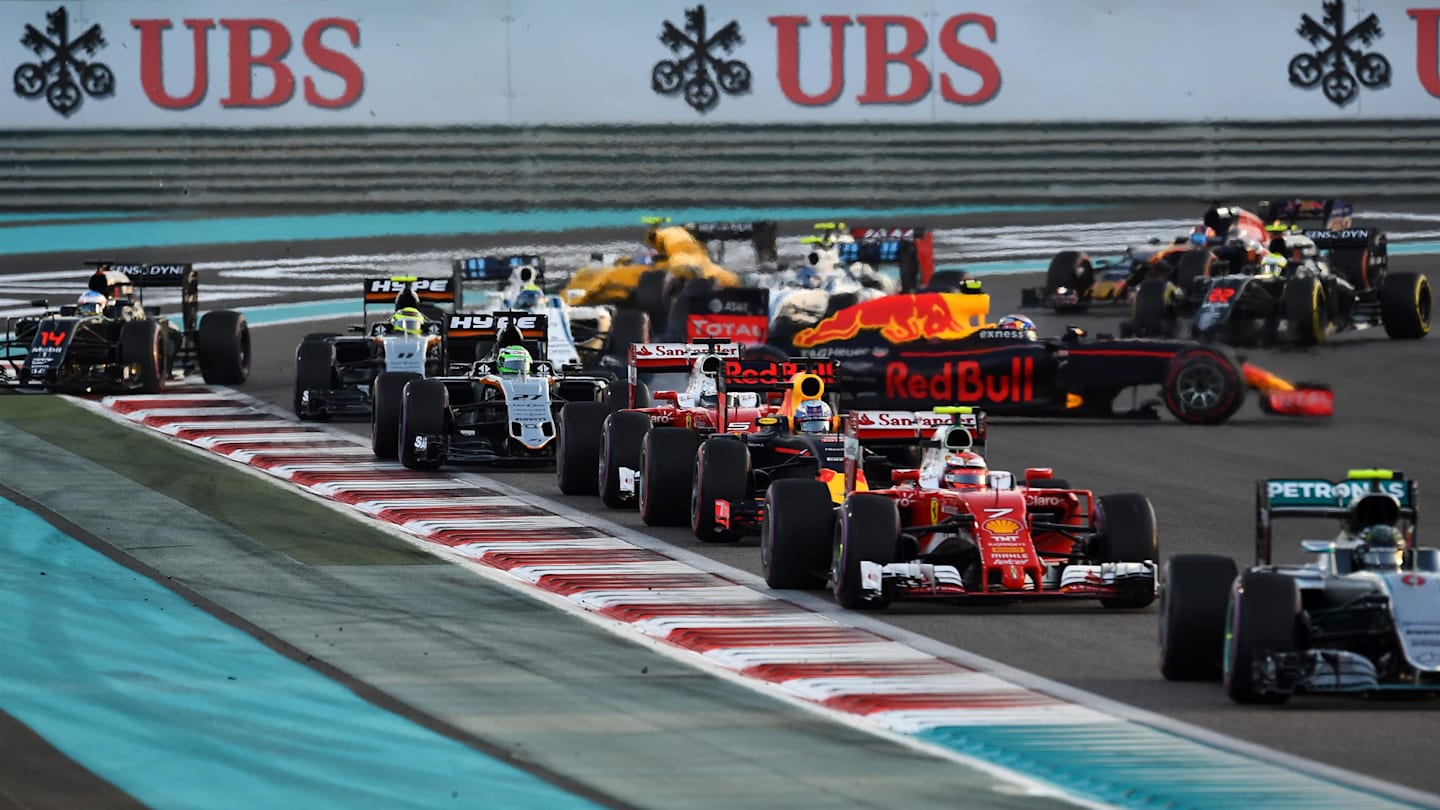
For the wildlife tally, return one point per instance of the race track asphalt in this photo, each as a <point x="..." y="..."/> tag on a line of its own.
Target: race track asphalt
<point x="1199" y="479"/>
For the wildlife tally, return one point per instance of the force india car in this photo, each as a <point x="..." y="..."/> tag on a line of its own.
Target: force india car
<point x="674" y="259"/>
<point x="1362" y="619"/>
<point x="480" y="416"/>
<point x="917" y="538"/>
<point x="335" y="374"/>
<point x="585" y="336"/>
<point x="1250" y="303"/>
<point x="129" y="347"/>
<point x="917" y="351"/>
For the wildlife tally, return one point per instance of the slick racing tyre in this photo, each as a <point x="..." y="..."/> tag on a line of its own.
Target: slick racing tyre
<point x="223" y="344"/>
<point x="617" y="395"/>
<point x="722" y="473"/>
<point x="142" y="343"/>
<point x="867" y="529"/>
<point x="667" y="458"/>
<point x="1070" y="270"/>
<point x="1154" y="309"/>
<point x="1125" y="525"/>
<point x="577" y="448"/>
<point x="386" y="400"/>
<point x="650" y="298"/>
<point x="1405" y="304"/>
<point x="1304" y="302"/>
<point x="1263" y="617"/>
<point x="796" y="533"/>
<point x="314" y="371"/>
<point x="629" y="326"/>
<point x="1193" y="599"/>
<point x="1203" y="385"/>
<point x="422" y="413"/>
<point x="1190" y="267"/>
<point x="620" y="439"/>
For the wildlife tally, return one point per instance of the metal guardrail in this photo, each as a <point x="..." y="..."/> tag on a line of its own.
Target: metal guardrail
<point x="649" y="166"/>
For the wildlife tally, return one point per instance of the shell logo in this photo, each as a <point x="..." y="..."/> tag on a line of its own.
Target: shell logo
<point x="1001" y="526"/>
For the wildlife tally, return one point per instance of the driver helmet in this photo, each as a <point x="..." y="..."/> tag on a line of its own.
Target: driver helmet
<point x="964" y="471"/>
<point x="1200" y="235"/>
<point x="1382" y="546"/>
<point x="808" y="278"/>
<point x="513" y="361"/>
<point x="813" y="416"/>
<point x="709" y="393"/>
<point x="1019" y="323"/>
<point x="530" y="298"/>
<point x="1273" y="264"/>
<point x="90" y="303"/>
<point x="407" y="321"/>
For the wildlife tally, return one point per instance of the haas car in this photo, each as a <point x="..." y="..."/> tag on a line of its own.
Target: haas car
<point x="499" y="409"/>
<point x="1362" y="619"/>
<point x="953" y="530"/>
<point x="118" y="344"/>
<point x="909" y="352"/>
<point x="335" y="374"/>
<point x="1312" y="283"/>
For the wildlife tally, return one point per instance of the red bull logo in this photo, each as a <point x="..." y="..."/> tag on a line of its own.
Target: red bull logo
<point x="902" y="319"/>
<point x="964" y="381"/>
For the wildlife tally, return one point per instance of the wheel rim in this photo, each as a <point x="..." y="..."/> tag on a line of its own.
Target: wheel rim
<point x="1200" y="387"/>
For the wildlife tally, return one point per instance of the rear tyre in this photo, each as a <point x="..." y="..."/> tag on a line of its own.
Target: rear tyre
<point x="314" y="371"/>
<point x="1154" y="312"/>
<point x="577" y="449"/>
<point x="796" y="533"/>
<point x="1405" y="303"/>
<point x="618" y="395"/>
<point x="223" y="343"/>
<point x="1070" y="270"/>
<point x="867" y="529"/>
<point x="1263" y="617"/>
<point x="649" y="298"/>
<point x="1304" y="302"/>
<point x="1191" y="266"/>
<point x="422" y="413"/>
<point x="1203" y="385"/>
<point x="1192" y="616"/>
<point x="722" y="473"/>
<point x="142" y="343"/>
<point x="387" y="400"/>
<point x="667" y="459"/>
<point x="620" y="438"/>
<point x="1126" y="525"/>
<point x="629" y="326"/>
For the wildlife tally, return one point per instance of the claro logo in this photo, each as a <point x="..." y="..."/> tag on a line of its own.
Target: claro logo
<point x="242" y="36"/>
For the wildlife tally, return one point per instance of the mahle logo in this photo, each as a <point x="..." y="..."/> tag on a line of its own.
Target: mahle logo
<point x="1339" y="66"/>
<point x="63" y="78"/>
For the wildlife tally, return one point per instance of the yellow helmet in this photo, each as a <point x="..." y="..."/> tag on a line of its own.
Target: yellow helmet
<point x="408" y="321"/>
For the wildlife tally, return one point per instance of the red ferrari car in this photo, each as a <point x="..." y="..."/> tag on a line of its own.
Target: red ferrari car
<point x="953" y="529"/>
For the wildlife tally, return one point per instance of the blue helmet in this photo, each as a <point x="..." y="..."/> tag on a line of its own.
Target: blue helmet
<point x="1017" y="322"/>
<point x="90" y="303"/>
<point x="530" y="298"/>
<point x="813" y="416"/>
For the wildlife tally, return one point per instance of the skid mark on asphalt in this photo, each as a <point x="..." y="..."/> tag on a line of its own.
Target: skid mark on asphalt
<point x="857" y="674"/>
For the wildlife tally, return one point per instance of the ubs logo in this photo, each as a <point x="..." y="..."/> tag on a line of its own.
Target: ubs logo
<point x="1339" y="65"/>
<point x="64" y="78"/>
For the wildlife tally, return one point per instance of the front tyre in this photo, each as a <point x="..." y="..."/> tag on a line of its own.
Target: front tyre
<point x="866" y="530"/>
<point x="1263" y="618"/>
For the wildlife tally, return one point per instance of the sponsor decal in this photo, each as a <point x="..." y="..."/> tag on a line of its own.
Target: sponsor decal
<point x="898" y="318"/>
<point x="387" y="285"/>
<point x="1003" y="334"/>
<point x="1305" y="492"/>
<point x="903" y="420"/>
<point x="51" y="338"/>
<point x="63" y="76"/>
<point x="1001" y="526"/>
<point x="524" y="323"/>
<point x="1044" y="501"/>
<point x="683" y="351"/>
<point x="1414" y="581"/>
<point x="1339" y="64"/>
<point x="775" y="372"/>
<point x="747" y="329"/>
<point x="934" y="510"/>
<point x="690" y="73"/>
<point x="965" y="381"/>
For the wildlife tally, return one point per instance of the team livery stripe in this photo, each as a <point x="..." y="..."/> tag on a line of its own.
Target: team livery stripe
<point x="1094" y="755"/>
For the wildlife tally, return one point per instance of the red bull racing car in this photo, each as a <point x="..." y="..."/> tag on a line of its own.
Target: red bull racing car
<point x="952" y="529"/>
<point x="918" y="351"/>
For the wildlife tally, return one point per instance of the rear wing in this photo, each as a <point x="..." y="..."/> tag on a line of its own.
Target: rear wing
<point x="900" y="429"/>
<point x="1333" y="214"/>
<point x="1321" y="498"/>
<point x="473" y="336"/>
<point x="763" y="235"/>
<point x="500" y="268"/>
<point x="737" y="314"/>
<point x="912" y="249"/>
<point x="121" y="280"/>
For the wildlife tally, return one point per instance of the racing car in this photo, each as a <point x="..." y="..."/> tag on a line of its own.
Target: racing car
<point x="674" y="261"/>
<point x="335" y="374"/>
<point x="1362" y="619"/>
<point x="586" y="336"/>
<point x="917" y="351"/>
<point x="501" y="410"/>
<point x="1296" y="286"/>
<point x="120" y="345"/>
<point x="952" y="529"/>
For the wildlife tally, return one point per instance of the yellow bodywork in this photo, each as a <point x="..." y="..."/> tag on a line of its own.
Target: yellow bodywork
<point x="677" y="252"/>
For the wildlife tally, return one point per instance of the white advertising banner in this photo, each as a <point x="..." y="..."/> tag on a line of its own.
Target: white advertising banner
<point x="105" y="64"/>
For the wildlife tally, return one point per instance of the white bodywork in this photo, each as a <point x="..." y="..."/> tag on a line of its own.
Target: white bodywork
<point x="560" y="348"/>
<point x="527" y="400"/>
<point x="406" y="353"/>
<point x="808" y="305"/>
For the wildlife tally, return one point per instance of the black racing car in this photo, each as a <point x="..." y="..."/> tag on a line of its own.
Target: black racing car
<point x="913" y="352"/>
<point x="128" y="346"/>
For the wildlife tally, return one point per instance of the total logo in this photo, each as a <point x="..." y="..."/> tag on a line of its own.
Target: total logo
<point x="731" y="328"/>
